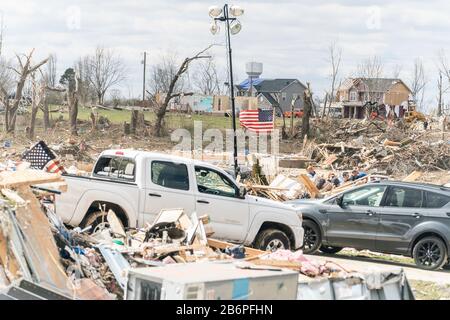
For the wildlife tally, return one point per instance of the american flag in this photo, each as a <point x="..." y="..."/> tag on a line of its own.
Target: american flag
<point x="260" y="120"/>
<point x="41" y="157"/>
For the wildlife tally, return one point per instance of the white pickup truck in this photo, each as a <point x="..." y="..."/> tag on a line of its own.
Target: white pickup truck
<point x="137" y="185"/>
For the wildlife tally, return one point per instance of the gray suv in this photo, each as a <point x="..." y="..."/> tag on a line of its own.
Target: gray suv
<point x="403" y="218"/>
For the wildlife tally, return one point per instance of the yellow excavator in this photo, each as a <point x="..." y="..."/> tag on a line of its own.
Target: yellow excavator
<point x="412" y="116"/>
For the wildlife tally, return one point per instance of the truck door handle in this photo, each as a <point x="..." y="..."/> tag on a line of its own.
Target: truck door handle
<point x="203" y="201"/>
<point x="154" y="195"/>
<point x="416" y="215"/>
<point x="370" y="213"/>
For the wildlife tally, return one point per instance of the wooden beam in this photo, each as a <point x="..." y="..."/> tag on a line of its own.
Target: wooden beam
<point x="27" y="177"/>
<point x="309" y="185"/>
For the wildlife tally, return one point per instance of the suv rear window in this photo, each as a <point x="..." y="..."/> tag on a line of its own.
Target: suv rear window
<point x="170" y="175"/>
<point x="404" y="197"/>
<point x="435" y="200"/>
<point x="116" y="168"/>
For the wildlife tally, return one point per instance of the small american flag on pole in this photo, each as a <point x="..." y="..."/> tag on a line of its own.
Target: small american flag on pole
<point x="259" y="120"/>
<point x="42" y="158"/>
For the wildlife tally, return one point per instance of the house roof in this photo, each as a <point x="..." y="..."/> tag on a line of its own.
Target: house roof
<point x="273" y="85"/>
<point x="267" y="85"/>
<point x="380" y="84"/>
<point x="269" y="98"/>
<point x="373" y="84"/>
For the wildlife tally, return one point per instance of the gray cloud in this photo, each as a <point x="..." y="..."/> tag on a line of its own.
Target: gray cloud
<point x="289" y="37"/>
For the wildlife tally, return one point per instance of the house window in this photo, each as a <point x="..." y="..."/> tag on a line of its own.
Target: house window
<point x="352" y="95"/>
<point x="283" y="96"/>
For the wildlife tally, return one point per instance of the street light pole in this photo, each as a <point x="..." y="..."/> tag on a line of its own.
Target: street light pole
<point x="233" y="27"/>
<point x="233" y="106"/>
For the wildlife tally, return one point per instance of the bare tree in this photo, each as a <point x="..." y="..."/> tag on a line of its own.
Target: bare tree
<point x="307" y="110"/>
<point x="206" y="78"/>
<point x="335" y="56"/>
<point x="396" y="71"/>
<point x="50" y="82"/>
<point x="418" y="82"/>
<point x="71" y="80"/>
<point x="5" y="84"/>
<point x="25" y="69"/>
<point x="104" y="70"/>
<point x="167" y="79"/>
<point x="371" y="67"/>
<point x="444" y="70"/>
<point x="38" y="96"/>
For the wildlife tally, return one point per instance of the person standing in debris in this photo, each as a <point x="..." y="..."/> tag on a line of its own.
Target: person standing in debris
<point x="333" y="180"/>
<point x="425" y="125"/>
<point x="356" y="174"/>
<point x="344" y="178"/>
<point x="311" y="173"/>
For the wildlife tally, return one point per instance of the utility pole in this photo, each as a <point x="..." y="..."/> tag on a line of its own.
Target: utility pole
<point x="1" y="33"/>
<point x="143" y="78"/>
<point x="439" y="112"/>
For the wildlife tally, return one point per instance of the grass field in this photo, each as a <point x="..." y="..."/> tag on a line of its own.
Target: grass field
<point x="173" y="120"/>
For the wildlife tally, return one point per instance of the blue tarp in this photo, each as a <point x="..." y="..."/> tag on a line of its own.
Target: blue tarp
<point x="246" y="83"/>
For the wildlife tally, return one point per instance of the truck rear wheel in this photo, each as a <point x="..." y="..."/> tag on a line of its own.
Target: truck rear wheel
<point x="272" y="240"/>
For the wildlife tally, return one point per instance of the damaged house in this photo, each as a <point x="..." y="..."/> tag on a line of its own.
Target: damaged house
<point x="388" y="96"/>
<point x="274" y="93"/>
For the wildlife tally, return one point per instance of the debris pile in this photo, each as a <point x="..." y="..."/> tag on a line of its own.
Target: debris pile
<point x="378" y="147"/>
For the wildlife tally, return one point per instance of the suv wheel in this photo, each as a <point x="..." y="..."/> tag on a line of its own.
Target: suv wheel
<point x="272" y="240"/>
<point x="330" y="250"/>
<point x="312" y="238"/>
<point x="430" y="253"/>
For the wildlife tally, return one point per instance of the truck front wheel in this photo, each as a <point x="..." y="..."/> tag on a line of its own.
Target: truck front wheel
<point x="272" y="240"/>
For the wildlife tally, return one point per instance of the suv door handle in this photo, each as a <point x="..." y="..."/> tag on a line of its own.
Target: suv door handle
<point x="370" y="213"/>
<point x="203" y="201"/>
<point x="154" y="195"/>
<point x="416" y="215"/>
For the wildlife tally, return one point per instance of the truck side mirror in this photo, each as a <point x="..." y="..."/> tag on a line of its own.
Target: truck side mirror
<point x="242" y="192"/>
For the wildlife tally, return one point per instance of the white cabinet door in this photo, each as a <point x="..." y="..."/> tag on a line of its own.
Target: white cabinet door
<point x="216" y="196"/>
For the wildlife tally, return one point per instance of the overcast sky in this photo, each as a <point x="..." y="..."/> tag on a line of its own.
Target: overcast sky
<point x="289" y="37"/>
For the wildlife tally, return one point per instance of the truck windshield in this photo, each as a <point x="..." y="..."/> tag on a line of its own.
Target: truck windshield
<point x="115" y="167"/>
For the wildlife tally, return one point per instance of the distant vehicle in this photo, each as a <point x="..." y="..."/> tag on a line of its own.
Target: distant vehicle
<point x="403" y="218"/>
<point x="297" y="114"/>
<point x="136" y="185"/>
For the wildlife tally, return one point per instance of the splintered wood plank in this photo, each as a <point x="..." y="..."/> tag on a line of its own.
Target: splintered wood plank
<point x="413" y="176"/>
<point x="27" y="177"/>
<point x="40" y="245"/>
<point x="309" y="185"/>
<point x="7" y="259"/>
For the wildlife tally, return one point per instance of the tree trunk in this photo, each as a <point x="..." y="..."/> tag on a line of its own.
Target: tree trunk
<point x="72" y="100"/>
<point x="134" y="121"/>
<point x="159" y="120"/>
<point x="73" y="115"/>
<point x="46" y="112"/>
<point x="34" y="110"/>
<point x="306" y="112"/>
